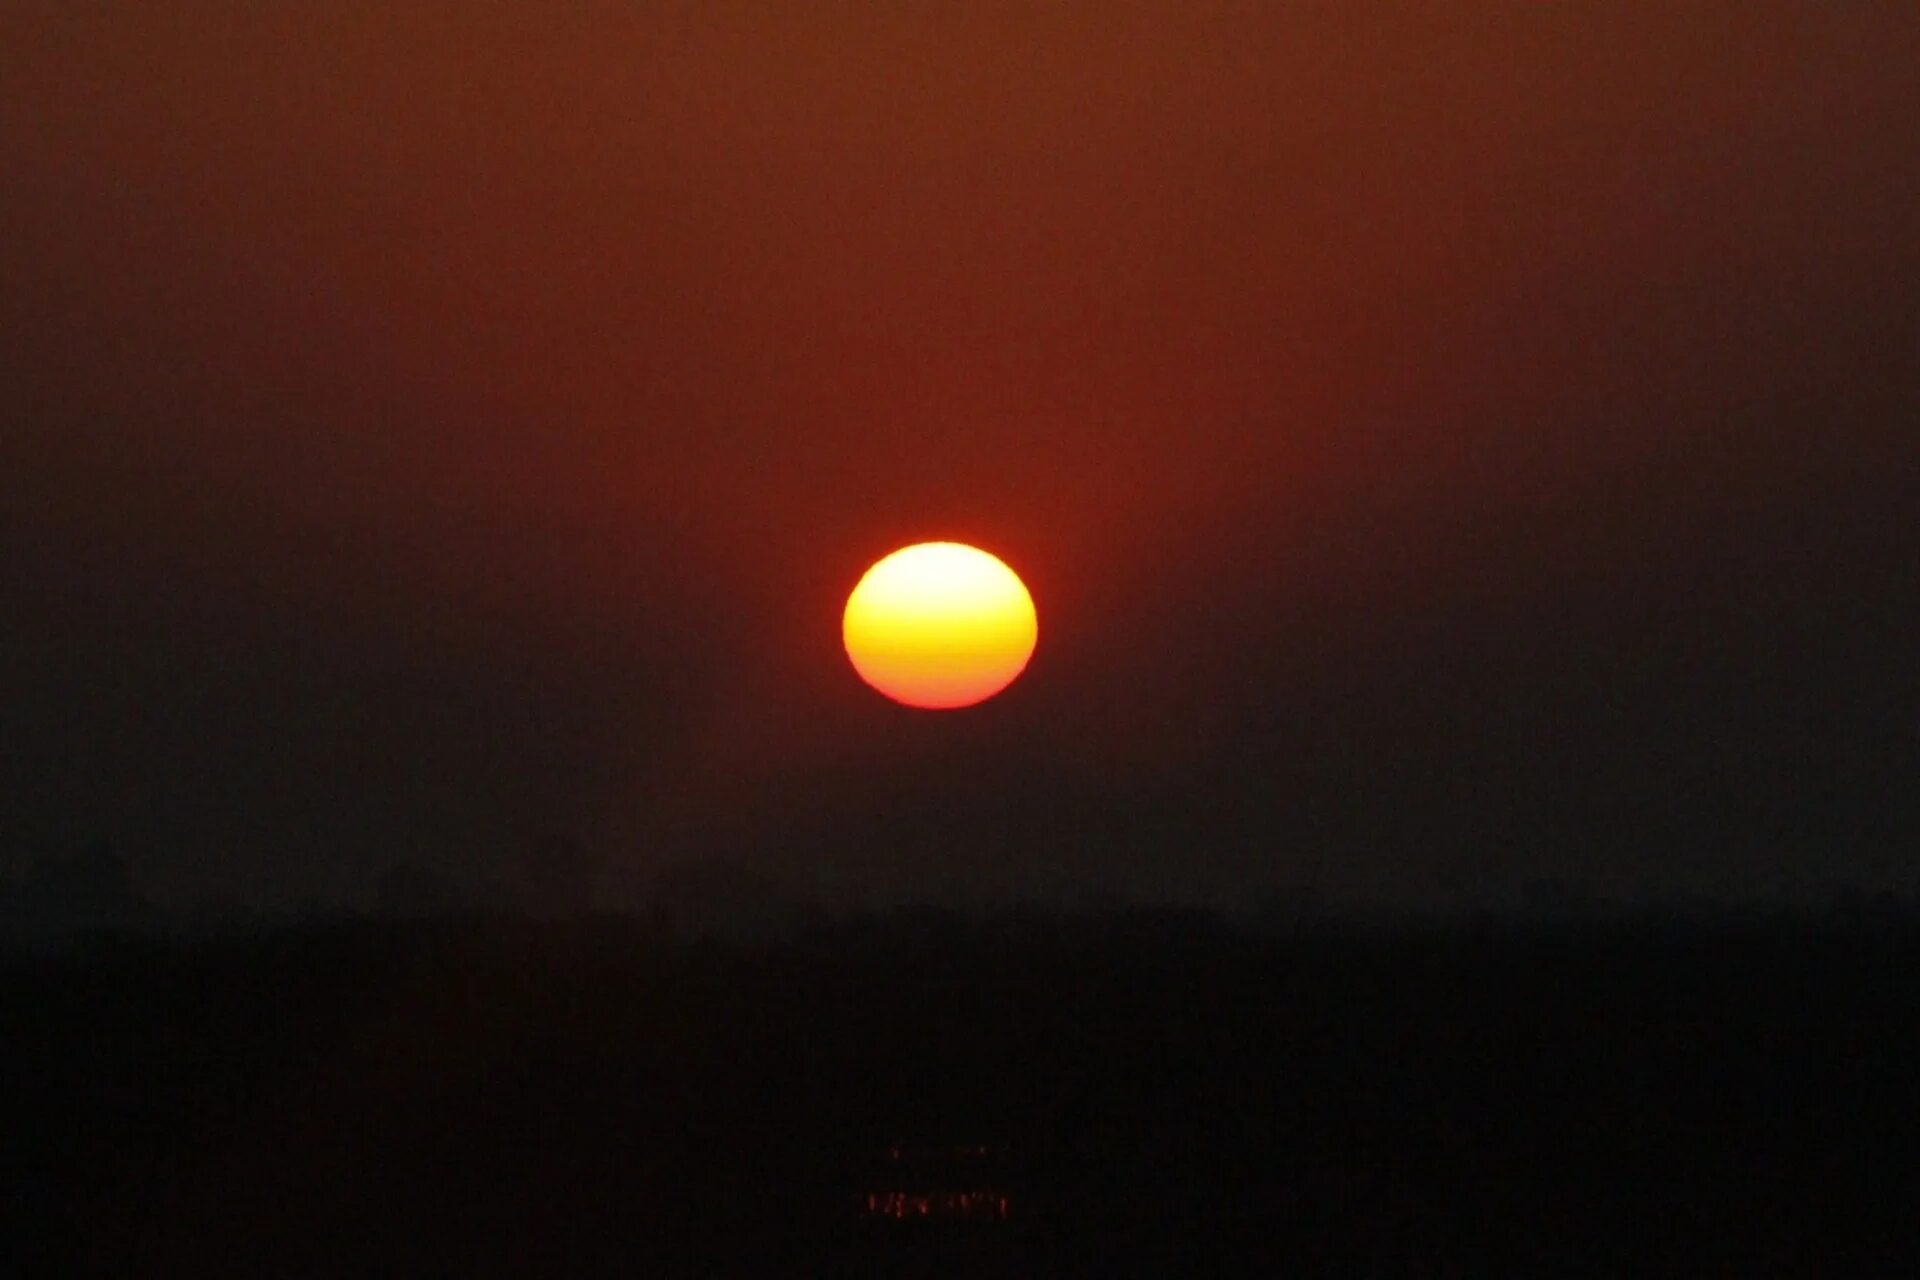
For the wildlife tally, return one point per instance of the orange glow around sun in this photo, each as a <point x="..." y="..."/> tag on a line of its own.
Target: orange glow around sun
<point x="939" y="625"/>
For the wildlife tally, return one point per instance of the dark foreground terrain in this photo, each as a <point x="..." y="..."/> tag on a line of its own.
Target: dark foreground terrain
<point x="1141" y="1094"/>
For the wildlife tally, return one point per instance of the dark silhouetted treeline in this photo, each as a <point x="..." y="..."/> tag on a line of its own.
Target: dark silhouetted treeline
<point x="1150" y="1093"/>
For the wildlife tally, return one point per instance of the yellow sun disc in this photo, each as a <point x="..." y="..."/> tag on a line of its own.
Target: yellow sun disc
<point x="939" y="625"/>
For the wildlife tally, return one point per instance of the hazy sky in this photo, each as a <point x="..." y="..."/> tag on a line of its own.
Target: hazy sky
<point x="1453" y="446"/>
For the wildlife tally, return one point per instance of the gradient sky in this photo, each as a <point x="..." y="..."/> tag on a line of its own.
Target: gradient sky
<point x="1452" y="446"/>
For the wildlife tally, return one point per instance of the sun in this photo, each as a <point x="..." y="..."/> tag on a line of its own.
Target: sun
<point x="939" y="625"/>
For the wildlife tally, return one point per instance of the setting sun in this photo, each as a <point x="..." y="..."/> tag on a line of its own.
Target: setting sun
<point x="939" y="625"/>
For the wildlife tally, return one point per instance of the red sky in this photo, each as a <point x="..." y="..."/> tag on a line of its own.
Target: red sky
<point x="431" y="428"/>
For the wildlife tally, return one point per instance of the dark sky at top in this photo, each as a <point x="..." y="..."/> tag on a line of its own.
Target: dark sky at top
<point x="1451" y="446"/>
